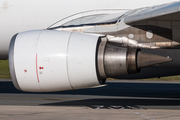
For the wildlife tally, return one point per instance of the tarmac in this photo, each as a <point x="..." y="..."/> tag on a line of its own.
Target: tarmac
<point x="119" y="100"/>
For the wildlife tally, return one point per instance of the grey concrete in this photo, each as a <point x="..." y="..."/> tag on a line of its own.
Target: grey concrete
<point x="83" y="113"/>
<point x="119" y="99"/>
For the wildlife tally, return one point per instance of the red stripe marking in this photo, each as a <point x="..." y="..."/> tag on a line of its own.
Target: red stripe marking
<point x="37" y="69"/>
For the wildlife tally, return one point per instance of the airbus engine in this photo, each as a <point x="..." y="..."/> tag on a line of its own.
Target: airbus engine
<point x="49" y="60"/>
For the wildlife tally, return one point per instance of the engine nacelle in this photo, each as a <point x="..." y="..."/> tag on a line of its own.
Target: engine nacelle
<point x="46" y="60"/>
<point x="49" y="60"/>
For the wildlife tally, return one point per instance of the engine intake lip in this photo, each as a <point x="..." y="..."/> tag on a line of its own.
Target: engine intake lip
<point x="11" y="62"/>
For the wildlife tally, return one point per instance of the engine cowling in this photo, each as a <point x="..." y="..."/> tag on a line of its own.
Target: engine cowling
<point x="49" y="60"/>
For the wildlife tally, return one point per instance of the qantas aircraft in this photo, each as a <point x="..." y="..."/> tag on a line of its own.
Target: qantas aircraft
<point x="56" y="45"/>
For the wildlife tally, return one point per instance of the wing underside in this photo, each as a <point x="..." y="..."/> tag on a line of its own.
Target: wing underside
<point x="149" y="27"/>
<point x="166" y="12"/>
<point x="90" y="18"/>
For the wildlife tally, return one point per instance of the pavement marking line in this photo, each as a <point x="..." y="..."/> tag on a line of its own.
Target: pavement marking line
<point x="142" y="115"/>
<point x="40" y="98"/>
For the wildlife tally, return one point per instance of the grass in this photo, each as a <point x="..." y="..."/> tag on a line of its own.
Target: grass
<point x="5" y="74"/>
<point x="169" y="78"/>
<point x="4" y="70"/>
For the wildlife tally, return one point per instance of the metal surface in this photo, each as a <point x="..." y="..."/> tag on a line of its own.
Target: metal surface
<point x="48" y="60"/>
<point x="152" y="12"/>
<point x="146" y="59"/>
<point x="159" y="70"/>
<point x="93" y="17"/>
<point x="81" y="60"/>
<point x="118" y="61"/>
<point x="26" y="60"/>
<point x="11" y="62"/>
<point x="100" y="55"/>
<point x="132" y="61"/>
<point x="115" y="61"/>
<point x="52" y="55"/>
<point x="18" y="16"/>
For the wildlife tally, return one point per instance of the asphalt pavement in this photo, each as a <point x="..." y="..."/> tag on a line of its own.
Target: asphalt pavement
<point x="118" y="99"/>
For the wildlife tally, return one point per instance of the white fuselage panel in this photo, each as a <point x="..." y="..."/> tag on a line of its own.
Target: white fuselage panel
<point x="22" y="15"/>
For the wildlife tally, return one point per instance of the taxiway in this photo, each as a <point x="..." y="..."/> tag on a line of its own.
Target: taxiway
<point x="119" y="99"/>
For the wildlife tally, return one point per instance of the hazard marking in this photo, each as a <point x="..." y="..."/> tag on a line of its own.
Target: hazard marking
<point x="37" y="68"/>
<point x="41" y="68"/>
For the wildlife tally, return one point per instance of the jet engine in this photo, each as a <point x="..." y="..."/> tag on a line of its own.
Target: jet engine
<point x="49" y="60"/>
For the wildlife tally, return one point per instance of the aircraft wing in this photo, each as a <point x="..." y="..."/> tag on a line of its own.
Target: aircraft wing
<point x="166" y="12"/>
<point x="90" y="18"/>
<point x="149" y="27"/>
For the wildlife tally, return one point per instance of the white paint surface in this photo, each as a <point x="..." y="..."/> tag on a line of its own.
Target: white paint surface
<point x="82" y="60"/>
<point x="52" y="52"/>
<point x="149" y="34"/>
<point x="22" y="15"/>
<point x="48" y="60"/>
<point x="23" y="61"/>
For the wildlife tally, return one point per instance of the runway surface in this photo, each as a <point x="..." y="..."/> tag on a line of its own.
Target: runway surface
<point x="119" y="99"/>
